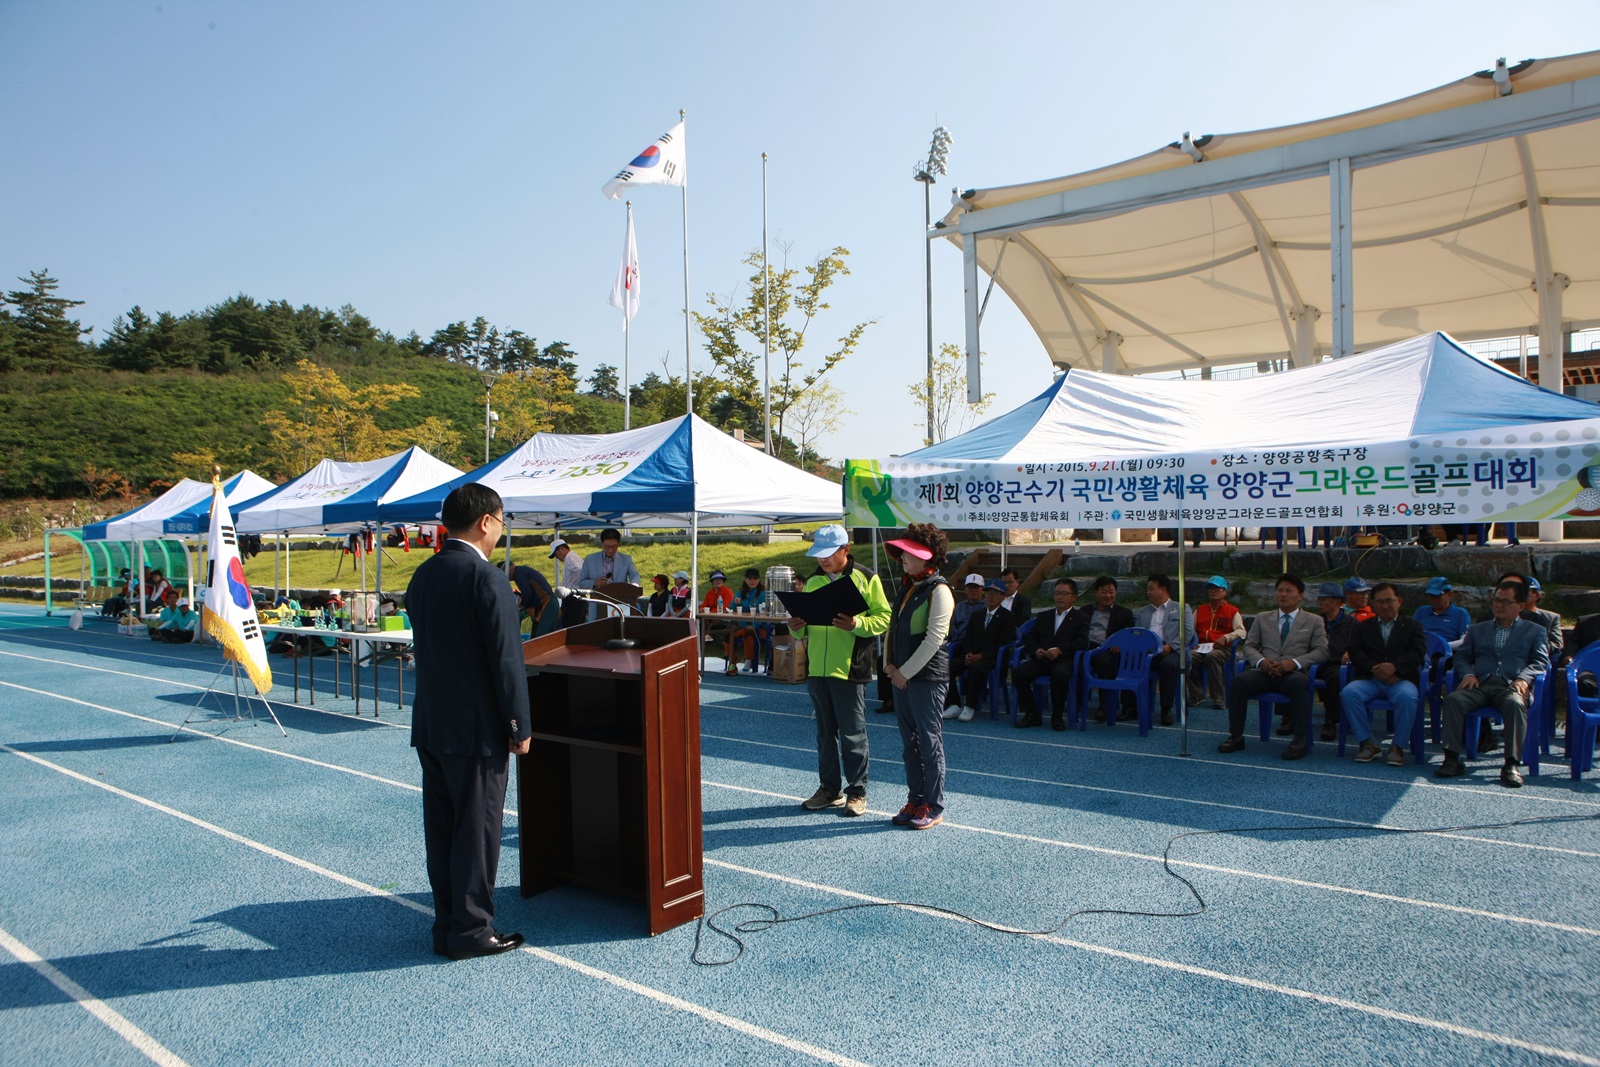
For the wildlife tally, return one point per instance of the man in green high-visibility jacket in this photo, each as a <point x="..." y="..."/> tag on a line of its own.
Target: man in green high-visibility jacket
<point x="840" y="660"/>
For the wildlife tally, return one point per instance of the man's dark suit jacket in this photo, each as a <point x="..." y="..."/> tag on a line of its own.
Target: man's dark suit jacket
<point x="1021" y="608"/>
<point x="1071" y="636"/>
<point x="986" y="640"/>
<point x="1407" y="648"/>
<point x="471" y="690"/>
<point x="1121" y="619"/>
<point x="1341" y="631"/>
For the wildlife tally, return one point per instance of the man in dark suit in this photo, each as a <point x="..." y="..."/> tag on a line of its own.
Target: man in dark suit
<point x="1340" y="625"/>
<point x="469" y="713"/>
<point x="979" y="651"/>
<point x="1281" y="649"/>
<point x="1387" y="655"/>
<point x="1021" y="607"/>
<point x="1106" y="617"/>
<point x="1047" y="651"/>
<point x="1497" y="664"/>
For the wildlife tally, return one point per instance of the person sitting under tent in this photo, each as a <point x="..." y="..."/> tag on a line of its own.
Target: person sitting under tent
<point x="979" y="651"/>
<point x="1356" y="594"/>
<point x="1021" y="607"/>
<point x="176" y="624"/>
<point x="1049" y="651"/>
<point x="657" y="604"/>
<point x="680" y="596"/>
<point x="1340" y="625"/>
<point x="159" y="587"/>
<point x="969" y="605"/>
<point x="1106" y="617"/>
<point x="1160" y="616"/>
<point x="1219" y="624"/>
<point x="1439" y="616"/>
<point x="1389" y="655"/>
<point x="118" y="602"/>
<point x="752" y="598"/>
<point x="1279" y="650"/>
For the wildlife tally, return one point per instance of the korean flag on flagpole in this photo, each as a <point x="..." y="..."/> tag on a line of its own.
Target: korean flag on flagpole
<point x="229" y="613"/>
<point x="663" y="163"/>
<point x="625" y="290"/>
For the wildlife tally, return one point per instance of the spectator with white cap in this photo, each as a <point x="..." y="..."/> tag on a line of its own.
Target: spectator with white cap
<point x="680" y="597"/>
<point x="570" y="568"/>
<point x="839" y="658"/>
<point x="1440" y="616"/>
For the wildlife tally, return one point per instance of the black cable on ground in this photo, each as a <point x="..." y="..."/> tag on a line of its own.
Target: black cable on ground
<point x="773" y="917"/>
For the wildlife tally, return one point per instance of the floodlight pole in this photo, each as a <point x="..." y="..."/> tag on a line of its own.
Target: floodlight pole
<point x="927" y="247"/>
<point x="488" y="378"/>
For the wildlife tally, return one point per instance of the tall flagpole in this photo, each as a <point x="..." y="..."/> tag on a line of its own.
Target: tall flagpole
<point x="627" y="397"/>
<point x="766" y="315"/>
<point x="688" y="353"/>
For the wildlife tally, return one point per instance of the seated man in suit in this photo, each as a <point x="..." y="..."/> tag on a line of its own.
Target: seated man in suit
<point x="1496" y="664"/>
<point x="1219" y="624"/>
<point x="1047" y="651"/>
<point x="1021" y="607"/>
<point x="1160" y="616"/>
<point x="979" y="651"/>
<point x="1340" y="624"/>
<point x="1280" y="649"/>
<point x="1106" y="617"/>
<point x="1388" y="653"/>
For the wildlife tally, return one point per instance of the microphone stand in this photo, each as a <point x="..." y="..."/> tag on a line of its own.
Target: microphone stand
<point x="622" y="640"/>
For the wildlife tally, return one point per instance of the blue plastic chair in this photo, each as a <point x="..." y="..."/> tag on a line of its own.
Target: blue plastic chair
<point x="1583" y="713"/>
<point x="1002" y="695"/>
<point x="1440" y="678"/>
<point x="1137" y="647"/>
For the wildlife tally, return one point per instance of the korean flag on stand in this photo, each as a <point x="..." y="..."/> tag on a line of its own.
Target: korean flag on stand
<point x="663" y="163"/>
<point x="229" y="614"/>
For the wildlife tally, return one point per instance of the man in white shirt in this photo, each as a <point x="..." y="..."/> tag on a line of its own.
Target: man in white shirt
<point x="1160" y="617"/>
<point x="569" y="568"/>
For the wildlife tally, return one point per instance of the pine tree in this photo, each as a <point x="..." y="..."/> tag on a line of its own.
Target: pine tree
<point x="44" y="338"/>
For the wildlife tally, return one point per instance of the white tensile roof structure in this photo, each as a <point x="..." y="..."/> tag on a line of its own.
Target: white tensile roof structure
<point x="1473" y="208"/>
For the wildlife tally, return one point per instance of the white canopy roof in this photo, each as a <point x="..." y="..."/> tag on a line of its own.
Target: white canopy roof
<point x="1210" y="251"/>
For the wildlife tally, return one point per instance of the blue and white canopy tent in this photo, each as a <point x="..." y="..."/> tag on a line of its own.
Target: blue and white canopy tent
<point x="158" y="528"/>
<point x="341" y="498"/>
<point x="682" y="472"/>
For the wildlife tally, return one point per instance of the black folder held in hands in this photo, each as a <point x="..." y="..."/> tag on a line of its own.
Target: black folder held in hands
<point x="820" y="606"/>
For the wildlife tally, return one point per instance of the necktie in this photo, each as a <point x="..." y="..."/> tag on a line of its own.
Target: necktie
<point x="1283" y="631"/>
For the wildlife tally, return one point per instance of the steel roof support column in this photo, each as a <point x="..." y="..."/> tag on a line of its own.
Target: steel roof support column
<point x="1110" y="341"/>
<point x="969" y="266"/>
<point x="1341" y="252"/>
<point x="1549" y="285"/>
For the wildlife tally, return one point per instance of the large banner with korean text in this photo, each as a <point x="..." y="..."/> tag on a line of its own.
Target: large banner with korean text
<point x="1516" y="473"/>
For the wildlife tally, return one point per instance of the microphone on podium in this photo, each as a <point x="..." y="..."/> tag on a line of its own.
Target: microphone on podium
<point x="622" y="640"/>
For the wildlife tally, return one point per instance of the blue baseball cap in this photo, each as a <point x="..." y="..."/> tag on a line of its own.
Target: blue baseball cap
<point x="1330" y="589"/>
<point x="828" y="540"/>
<point x="1217" y="580"/>
<point x="1438" y="587"/>
<point x="1357" y="585"/>
<point x="1533" y="585"/>
<point x="995" y="586"/>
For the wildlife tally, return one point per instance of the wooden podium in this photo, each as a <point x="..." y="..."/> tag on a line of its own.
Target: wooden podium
<point x="609" y="792"/>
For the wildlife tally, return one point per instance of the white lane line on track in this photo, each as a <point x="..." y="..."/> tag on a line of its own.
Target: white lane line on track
<point x="215" y="737"/>
<point x="1455" y="1029"/>
<point x="152" y="1049"/>
<point x="190" y="685"/>
<point x="1203" y="803"/>
<point x="667" y="999"/>
<point x="1300" y="883"/>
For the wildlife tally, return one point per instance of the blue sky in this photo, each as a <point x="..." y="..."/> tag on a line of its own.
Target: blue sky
<point x="433" y="162"/>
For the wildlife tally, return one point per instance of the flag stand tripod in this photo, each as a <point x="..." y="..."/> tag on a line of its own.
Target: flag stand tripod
<point x="241" y="703"/>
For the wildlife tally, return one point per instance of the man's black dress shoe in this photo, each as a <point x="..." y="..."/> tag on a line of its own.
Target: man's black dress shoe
<point x="1451" y="767"/>
<point x="496" y="944"/>
<point x="1509" y="776"/>
<point x="1295" y="750"/>
<point x="1232" y="744"/>
<point x="1057" y="723"/>
<point x="1166" y="718"/>
<point x="1027" y="721"/>
<point x="1330" y="733"/>
<point x="1285" y="727"/>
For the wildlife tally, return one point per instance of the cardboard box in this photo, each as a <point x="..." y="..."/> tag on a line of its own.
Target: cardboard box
<point x="788" y="660"/>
